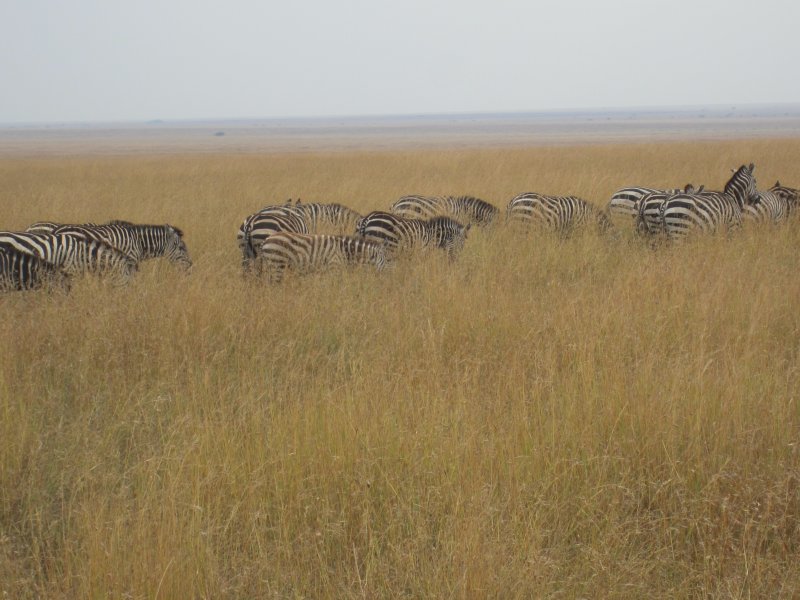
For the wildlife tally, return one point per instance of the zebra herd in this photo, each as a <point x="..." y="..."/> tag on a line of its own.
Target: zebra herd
<point x="304" y="237"/>
<point x="52" y="253"/>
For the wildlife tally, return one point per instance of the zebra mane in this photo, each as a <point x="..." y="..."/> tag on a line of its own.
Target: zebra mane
<point x="123" y="223"/>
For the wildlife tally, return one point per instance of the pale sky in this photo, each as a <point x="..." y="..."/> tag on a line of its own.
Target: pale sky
<point x="107" y="60"/>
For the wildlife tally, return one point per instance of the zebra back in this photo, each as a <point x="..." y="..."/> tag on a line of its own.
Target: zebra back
<point x="333" y="216"/>
<point x="305" y="253"/>
<point x="466" y="209"/>
<point x="22" y="271"/>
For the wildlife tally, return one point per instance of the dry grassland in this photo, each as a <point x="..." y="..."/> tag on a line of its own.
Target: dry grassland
<point x="587" y="418"/>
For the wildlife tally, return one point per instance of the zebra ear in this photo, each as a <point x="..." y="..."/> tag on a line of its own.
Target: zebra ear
<point x="752" y="167"/>
<point x="777" y="184"/>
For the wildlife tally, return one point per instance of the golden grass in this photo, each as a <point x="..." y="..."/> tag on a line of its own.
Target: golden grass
<point x="586" y="418"/>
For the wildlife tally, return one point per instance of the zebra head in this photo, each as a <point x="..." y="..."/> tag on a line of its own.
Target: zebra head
<point x="176" y="250"/>
<point x="742" y="186"/>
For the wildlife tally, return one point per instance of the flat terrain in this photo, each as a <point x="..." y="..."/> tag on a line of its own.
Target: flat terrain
<point x="542" y="418"/>
<point x="402" y="133"/>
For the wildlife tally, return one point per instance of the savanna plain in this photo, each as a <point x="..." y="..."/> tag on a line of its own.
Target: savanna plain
<point x="588" y="417"/>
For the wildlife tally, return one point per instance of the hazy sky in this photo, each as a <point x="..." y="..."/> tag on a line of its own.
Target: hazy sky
<point x="98" y="60"/>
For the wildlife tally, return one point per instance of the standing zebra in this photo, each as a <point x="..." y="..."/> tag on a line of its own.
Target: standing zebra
<point x="22" y="271"/>
<point x="326" y="216"/>
<point x="259" y="226"/>
<point x="650" y="209"/>
<point x="75" y="255"/>
<point x="466" y="209"/>
<point x="791" y="195"/>
<point x="709" y="212"/>
<point x="305" y="253"/>
<point x="560" y="214"/>
<point x="400" y="233"/>
<point x="140" y="242"/>
<point x="768" y="207"/>
<point x="624" y="202"/>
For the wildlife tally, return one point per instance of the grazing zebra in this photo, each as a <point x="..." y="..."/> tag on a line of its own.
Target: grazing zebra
<point x="326" y="216"/>
<point x="22" y="271"/>
<point x="259" y="226"/>
<point x="560" y="214"/>
<point x="768" y="207"/>
<point x="465" y="209"/>
<point x="709" y="212"/>
<point x="306" y="253"/>
<point x="73" y="254"/>
<point x="140" y="242"/>
<point x="401" y="233"/>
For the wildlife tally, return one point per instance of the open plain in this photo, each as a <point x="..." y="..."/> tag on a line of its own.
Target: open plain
<point x="588" y="417"/>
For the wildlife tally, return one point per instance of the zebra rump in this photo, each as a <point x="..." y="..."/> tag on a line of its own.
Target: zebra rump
<point x="256" y="228"/>
<point x="465" y="209"/>
<point x="22" y="271"/>
<point x="306" y="253"/>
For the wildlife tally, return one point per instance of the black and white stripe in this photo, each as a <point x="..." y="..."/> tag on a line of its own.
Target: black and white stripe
<point x="306" y="253"/>
<point x="792" y="195"/>
<point x="270" y="220"/>
<point x="709" y="212"/>
<point x="465" y="209"/>
<point x="404" y="234"/>
<point x="22" y="271"/>
<point x="768" y="207"/>
<point x="650" y="210"/>
<point x="559" y="214"/>
<point x="333" y="217"/>
<point x="74" y="255"/>
<point x="140" y="242"/>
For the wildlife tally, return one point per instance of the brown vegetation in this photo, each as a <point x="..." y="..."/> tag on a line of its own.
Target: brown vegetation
<point x="572" y="418"/>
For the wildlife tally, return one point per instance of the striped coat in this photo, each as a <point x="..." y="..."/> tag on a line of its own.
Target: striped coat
<point x="465" y="209"/>
<point x="22" y="271"/>
<point x="402" y="234"/>
<point x="307" y="253"/>
<point x="559" y="214"/>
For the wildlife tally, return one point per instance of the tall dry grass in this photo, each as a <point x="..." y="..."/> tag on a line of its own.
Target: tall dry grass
<point x="587" y="418"/>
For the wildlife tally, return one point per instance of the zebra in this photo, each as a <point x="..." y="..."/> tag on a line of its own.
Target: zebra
<point x="75" y="255"/>
<point x="768" y="207"/>
<point x="400" y="233"/>
<point x="792" y="195"/>
<point x="624" y="202"/>
<point x="710" y="211"/>
<point x="22" y="271"/>
<point x="649" y="212"/>
<point x="256" y="228"/>
<point x="140" y="242"/>
<point x="465" y="209"/>
<point x="560" y="214"/>
<point x="306" y="253"/>
<point x="333" y="216"/>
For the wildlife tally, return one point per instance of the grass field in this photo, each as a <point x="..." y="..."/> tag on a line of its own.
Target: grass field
<point x="587" y="418"/>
